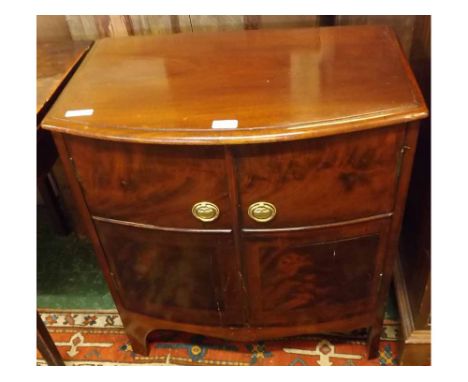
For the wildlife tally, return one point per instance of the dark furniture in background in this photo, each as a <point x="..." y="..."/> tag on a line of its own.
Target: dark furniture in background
<point x="413" y="267"/>
<point x="282" y="223"/>
<point x="46" y="345"/>
<point x="56" y="63"/>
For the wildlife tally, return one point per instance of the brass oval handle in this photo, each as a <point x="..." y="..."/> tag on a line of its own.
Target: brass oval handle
<point x="262" y="212"/>
<point x="205" y="211"/>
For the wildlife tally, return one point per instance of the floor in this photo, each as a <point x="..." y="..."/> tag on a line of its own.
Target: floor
<point x="68" y="275"/>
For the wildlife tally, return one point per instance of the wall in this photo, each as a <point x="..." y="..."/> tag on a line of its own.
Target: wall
<point x="62" y="28"/>
<point x="94" y="27"/>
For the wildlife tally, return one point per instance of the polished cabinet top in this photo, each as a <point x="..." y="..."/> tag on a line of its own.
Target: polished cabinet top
<point x="239" y="87"/>
<point x="55" y="60"/>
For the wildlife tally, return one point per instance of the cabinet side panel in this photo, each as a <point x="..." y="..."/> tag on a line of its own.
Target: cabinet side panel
<point x="84" y="214"/>
<point x="407" y="153"/>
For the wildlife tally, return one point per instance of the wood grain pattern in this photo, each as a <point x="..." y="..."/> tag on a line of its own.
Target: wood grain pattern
<point x="236" y="287"/>
<point x="173" y="276"/>
<point x="314" y="276"/>
<point x="408" y="150"/>
<point x="302" y="179"/>
<point x="298" y="276"/>
<point x="147" y="184"/>
<point x="297" y="86"/>
<point x="54" y="66"/>
<point x="85" y="217"/>
<point x="140" y="327"/>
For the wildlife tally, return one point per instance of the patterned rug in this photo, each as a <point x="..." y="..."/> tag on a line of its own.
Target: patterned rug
<point x="91" y="337"/>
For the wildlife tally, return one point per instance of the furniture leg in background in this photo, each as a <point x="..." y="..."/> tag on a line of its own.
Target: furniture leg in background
<point x="47" y="187"/>
<point x="56" y="63"/>
<point x="46" y="345"/>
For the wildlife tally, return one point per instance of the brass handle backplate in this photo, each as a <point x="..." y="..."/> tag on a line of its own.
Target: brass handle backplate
<point x="262" y="212"/>
<point x="205" y="211"/>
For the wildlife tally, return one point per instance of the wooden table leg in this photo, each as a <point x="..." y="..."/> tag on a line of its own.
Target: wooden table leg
<point x="46" y="345"/>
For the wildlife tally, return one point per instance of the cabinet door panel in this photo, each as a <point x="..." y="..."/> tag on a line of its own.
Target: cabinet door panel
<point x="320" y="181"/>
<point x="314" y="276"/>
<point x="180" y="277"/>
<point x="151" y="184"/>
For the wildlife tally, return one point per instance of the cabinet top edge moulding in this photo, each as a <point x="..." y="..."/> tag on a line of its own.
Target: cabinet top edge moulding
<point x="239" y="87"/>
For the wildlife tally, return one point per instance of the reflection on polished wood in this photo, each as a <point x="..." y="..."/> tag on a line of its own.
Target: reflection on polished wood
<point x="323" y="180"/>
<point x="278" y="84"/>
<point x="310" y="187"/>
<point x="162" y="177"/>
<point x="56" y="63"/>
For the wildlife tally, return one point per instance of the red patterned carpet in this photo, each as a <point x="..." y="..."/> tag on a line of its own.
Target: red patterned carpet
<point x="97" y="338"/>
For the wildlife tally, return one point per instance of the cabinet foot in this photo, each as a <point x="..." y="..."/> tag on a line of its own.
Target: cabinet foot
<point x="137" y="332"/>
<point x="139" y="345"/>
<point x="373" y="341"/>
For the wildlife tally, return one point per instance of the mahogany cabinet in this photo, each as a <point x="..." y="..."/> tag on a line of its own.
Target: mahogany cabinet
<point x="243" y="185"/>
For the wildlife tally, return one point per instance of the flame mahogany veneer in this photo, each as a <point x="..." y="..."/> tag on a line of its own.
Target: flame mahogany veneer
<point x="310" y="186"/>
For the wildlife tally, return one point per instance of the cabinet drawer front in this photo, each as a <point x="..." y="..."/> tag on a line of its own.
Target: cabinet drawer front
<point x="151" y="184"/>
<point x="322" y="180"/>
<point x="314" y="276"/>
<point x="179" y="277"/>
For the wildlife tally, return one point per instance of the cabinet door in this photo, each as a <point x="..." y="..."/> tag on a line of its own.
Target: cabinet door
<point x="315" y="276"/>
<point x="151" y="184"/>
<point x="181" y="277"/>
<point x="321" y="181"/>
